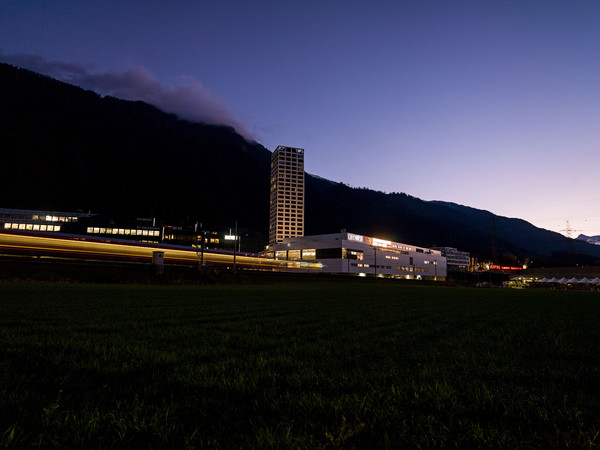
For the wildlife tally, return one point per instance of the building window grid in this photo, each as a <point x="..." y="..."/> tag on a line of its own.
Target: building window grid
<point x="287" y="193"/>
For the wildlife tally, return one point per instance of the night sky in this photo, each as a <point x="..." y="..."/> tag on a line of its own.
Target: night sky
<point x="490" y="104"/>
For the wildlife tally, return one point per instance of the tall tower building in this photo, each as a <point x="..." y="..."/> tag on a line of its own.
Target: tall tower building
<point x="287" y="194"/>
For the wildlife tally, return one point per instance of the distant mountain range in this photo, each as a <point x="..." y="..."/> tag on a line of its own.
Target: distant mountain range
<point x="595" y="240"/>
<point x="64" y="148"/>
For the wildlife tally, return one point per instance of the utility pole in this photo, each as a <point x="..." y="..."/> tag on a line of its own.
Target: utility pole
<point x="494" y="246"/>
<point x="569" y="240"/>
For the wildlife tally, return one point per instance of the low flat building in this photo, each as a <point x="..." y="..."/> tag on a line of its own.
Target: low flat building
<point x="349" y="253"/>
<point x="140" y="229"/>
<point x="36" y="220"/>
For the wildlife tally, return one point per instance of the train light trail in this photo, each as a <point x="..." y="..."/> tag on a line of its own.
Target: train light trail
<point x="79" y="247"/>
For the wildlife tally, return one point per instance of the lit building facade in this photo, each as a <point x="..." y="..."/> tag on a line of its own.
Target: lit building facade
<point x="349" y="253"/>
<point x="286" y="207"/>
<point x="87" y="224"/>
<point x="33" y="220"/>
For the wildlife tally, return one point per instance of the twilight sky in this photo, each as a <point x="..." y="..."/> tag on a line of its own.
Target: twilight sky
<point x="490" y="104"/>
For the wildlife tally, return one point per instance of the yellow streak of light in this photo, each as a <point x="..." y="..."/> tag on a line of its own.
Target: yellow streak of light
<point x="80" y="246"/>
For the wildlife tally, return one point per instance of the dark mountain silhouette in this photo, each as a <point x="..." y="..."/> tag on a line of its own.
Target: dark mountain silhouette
<point x="64" y="148"/>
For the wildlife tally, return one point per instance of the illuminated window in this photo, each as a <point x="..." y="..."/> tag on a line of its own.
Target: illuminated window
<point x="21" y="226"/>
<point x="36" y="228"/>
<point x="43" y="227"/>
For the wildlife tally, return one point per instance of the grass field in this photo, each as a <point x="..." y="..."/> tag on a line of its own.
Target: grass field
<point x="365" y="365"/>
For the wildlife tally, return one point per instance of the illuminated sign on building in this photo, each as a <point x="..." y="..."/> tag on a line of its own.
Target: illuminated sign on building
<point x="505" y="268"/>
<point x="380" y="243"/>
<point x="355" y="237"/>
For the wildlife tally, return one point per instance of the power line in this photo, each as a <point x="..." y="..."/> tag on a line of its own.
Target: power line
<point x="563" y="216"/>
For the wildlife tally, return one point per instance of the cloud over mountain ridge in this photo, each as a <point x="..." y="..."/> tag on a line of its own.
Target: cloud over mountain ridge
<point x="190" y="101"/>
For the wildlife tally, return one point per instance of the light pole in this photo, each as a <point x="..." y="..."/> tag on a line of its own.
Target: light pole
<point x="375" y="253"/>
<point x="234" y="247"/>
<point x="202" y="243"/>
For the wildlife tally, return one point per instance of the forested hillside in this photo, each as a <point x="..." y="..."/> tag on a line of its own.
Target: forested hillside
<point x="64" y="148"/>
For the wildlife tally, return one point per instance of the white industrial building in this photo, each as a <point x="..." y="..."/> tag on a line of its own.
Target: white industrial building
<point x="364" y="256"/>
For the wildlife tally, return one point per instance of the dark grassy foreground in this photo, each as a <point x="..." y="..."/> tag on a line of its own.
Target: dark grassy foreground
<point x="304" y="365"/>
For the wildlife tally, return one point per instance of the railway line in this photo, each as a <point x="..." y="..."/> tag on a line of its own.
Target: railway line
<point x="14" y="242"/>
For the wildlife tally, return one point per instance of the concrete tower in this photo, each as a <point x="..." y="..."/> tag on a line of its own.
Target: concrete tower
<point x="286" y="217"/>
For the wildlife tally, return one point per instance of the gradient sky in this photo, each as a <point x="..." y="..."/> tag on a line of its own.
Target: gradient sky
<point x="489" y="104"/>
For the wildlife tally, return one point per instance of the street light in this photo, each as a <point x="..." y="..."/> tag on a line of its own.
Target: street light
<point x="235" y="238"/>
